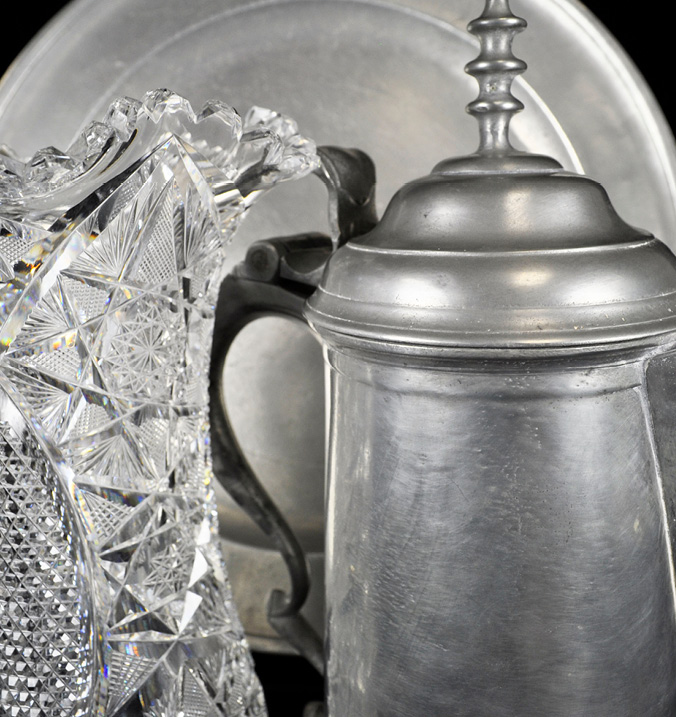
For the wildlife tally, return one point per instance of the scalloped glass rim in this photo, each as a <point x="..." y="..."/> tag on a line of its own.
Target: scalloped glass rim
<point x="264" y="144"/>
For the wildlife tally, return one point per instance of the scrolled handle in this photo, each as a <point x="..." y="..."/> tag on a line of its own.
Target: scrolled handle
<point x="275" y="278"/>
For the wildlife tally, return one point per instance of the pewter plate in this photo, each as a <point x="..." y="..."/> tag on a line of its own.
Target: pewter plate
<point x="384" y="75"/>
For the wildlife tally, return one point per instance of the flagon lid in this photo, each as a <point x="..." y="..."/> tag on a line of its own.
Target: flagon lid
<point x="500" y="249"/>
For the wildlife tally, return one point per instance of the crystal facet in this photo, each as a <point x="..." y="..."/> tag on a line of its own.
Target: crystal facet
<point x="46" y="661"/>
<point x="114" y="596"/>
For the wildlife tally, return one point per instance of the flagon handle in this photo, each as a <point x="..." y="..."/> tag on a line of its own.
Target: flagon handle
<point x="275" y="278"/>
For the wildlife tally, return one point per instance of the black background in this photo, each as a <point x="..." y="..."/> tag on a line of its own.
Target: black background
<point x="647" y="41"/>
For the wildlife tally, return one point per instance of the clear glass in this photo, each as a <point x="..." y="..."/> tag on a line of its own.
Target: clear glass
<point x="114" y="597"/>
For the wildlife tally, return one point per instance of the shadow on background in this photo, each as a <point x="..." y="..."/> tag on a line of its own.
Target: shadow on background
<point x="289" y="683"/>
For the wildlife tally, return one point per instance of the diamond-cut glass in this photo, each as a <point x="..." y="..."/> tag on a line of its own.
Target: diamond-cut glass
<point x="113" y="597"/>
<point x="46" y="660"/>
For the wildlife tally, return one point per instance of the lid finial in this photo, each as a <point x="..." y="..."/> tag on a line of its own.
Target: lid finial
<point x="495" y="69"/>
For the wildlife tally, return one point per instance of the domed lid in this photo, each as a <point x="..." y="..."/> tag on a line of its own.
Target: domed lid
<point x="500" y="249"/>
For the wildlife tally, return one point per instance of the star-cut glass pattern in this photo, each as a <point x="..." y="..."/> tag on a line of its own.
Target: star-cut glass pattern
<point x="114" y="597"/>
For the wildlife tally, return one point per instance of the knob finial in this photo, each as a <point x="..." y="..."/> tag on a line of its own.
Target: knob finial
<point x="495" y="69"/>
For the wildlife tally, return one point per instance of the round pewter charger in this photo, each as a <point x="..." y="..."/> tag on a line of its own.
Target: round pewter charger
<point x="386" y="77"/>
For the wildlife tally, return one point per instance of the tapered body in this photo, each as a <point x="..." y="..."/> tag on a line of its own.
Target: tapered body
<point x="498" y="539"/>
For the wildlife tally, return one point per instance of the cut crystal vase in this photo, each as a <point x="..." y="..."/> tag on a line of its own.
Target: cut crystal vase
<point x="114" y="598"/>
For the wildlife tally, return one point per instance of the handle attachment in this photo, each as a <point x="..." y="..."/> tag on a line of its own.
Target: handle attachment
<point x="276" y="277"/>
